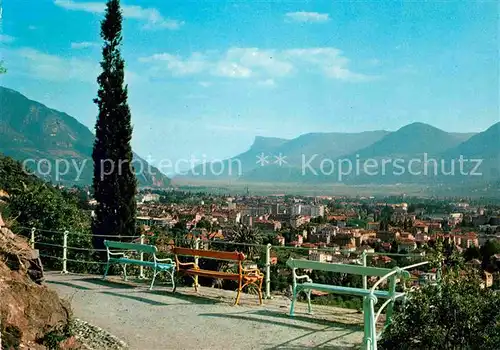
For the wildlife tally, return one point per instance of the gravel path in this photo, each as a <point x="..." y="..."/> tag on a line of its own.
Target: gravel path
<point x="158" y="319"/>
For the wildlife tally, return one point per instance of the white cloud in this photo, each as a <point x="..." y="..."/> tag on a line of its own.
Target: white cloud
<point x="32" y="27"/>
<point x="92" y="7"/>
<point x="307" y="17"/>
<point x="232" y="70"/>
<point x="330" y="61"/>
<point x="267" y="60"/>
<point x="4" y="38"/>
<point x="196" y="63"/>
<point x="205" y="83"/>
<point x="54" y="68"/>
<point x="151" y="17"/>
<point x="83" y="45"/>
<point x="263" y="64"/>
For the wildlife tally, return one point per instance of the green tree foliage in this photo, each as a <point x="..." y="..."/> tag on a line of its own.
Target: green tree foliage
<point x="472" y="253"/>
<point x="114" y="179"/>
<point x="458" y="314"/>
<point x="488" y="249"/>
<point x="248" y="235"/>
<point x="34" y="203"/>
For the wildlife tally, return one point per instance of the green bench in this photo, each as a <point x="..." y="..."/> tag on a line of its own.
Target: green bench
<point x="121" y="257"/>
<point x="308" y="285"/>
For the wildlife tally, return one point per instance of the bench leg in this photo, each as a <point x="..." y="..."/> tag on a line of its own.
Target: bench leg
<point x="172" y="274"/>
<point x="125" y="272"/>
<point x="173" y="282"/>
<point x="153" y="281"/>
<point x="309" y="307"/>
<point x="292" y="305"/>
<point x="239" y="293"/>
<point x="260" y="291"/>
<point x="106" y="271"/>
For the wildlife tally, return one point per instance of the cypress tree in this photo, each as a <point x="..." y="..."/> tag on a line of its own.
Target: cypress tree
<point x="114" y="179"/>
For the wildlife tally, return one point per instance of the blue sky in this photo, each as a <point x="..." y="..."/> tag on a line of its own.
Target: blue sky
<point x="206" y="77"/>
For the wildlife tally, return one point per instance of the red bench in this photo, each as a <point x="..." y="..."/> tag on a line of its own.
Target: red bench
<point x="244" y="277"/>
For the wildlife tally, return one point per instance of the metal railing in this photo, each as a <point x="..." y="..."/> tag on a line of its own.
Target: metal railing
<point x="340" y="255"/>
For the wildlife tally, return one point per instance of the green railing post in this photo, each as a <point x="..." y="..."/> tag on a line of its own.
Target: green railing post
<point x="141" y="268"/>
<point x="365" y="278"/>
<point x="390" y="307"/>
<point x="370" y="330"/>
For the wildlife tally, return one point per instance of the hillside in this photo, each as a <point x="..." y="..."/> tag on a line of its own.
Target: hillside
<point x="411" y="144"/>
<point x="483" y="147"/>
<point x="316" y="145"/>
<point x="485" y="144"/>
<point x="412" y="139"/>
<point x="31" y="130"/>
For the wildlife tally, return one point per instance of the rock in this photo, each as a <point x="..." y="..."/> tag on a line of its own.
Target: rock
<point x="28" y="310"/>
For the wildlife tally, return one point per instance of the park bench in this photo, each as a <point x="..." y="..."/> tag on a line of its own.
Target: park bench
<point x="244" y="277"/>
<point x="117" y="254"/>
<point x="309" y="284"/>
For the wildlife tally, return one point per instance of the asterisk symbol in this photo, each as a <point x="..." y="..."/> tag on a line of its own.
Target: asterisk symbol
<point x="262" y="159"/>
<point x="280" y="159"/>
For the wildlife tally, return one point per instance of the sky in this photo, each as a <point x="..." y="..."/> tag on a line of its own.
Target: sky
<point x="206" y="77"/>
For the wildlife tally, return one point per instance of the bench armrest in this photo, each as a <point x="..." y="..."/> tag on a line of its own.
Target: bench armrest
<point x="188" y="264"/>
<point x="118" y="253"/>
<point x="306" y="277"/>
<point x="252" y="272"/>
<point x="163" y="260"/>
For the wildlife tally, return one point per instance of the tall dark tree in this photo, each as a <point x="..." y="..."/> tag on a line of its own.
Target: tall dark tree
<point x="114" y="182"/>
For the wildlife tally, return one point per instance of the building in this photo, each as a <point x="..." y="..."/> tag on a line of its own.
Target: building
<point x="315" y="255"/>
<point x="150" y="197"/>
<point x="407" y="245"/>
<point x="281" y="240"/>
<point x="298" y="220"/>
<point x="388" y="236"/>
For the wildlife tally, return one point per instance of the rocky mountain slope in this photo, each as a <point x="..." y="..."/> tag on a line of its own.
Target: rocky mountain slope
<point x="54" y="140"/>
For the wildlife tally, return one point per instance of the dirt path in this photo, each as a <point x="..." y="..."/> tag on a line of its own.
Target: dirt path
<point x="158" y="319"/>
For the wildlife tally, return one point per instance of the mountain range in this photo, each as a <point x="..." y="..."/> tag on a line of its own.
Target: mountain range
<point x="416" y="153"/>
<point x="46" y="138"/>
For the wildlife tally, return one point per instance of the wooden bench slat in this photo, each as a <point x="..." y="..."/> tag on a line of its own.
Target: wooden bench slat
<point x="158" y="265"/>
<point x="212" y="254"/>
<point x="213" y="274"/>
<point x="341" y="268"/>
<point x="243" y="277"/>
<point x="151" y="249"/>
<point x="382" y="294"/>
<point x="139" y="262"/>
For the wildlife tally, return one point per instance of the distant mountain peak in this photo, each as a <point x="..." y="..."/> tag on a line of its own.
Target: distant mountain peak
<point x="261" y="142"/>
